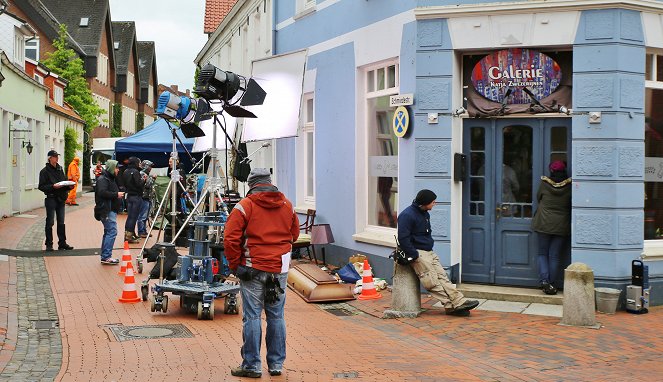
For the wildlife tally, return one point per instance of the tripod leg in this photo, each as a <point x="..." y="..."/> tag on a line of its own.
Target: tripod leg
<point x="163" y="200"/>
<point x="193" y="211"/>
<point x="186" y="194"/>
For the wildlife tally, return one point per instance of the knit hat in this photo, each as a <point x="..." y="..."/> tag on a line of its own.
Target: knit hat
<point x="259" y="176"/>
<point x="425" y="197"/>
<point x="111" y="165"/>
<point x="557" y="165"/>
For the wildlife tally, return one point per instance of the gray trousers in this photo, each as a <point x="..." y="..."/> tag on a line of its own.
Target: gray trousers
<point x="434" y="278"/>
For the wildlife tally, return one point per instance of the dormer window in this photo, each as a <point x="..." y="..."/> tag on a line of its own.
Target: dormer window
<point x="116" y="44"/>
<point x="85" y="21"/>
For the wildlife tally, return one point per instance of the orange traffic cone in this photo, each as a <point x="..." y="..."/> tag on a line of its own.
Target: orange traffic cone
<point x="129" y="293"/>
<point x="368" y="291"/>
<point x="126" y="258"/>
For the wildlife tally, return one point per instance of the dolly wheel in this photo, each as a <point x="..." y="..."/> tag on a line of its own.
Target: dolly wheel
<point x="139" y="267"/>
<point x="153" y="304"/>
<point x="164" y="304"/>
<point x="230" y="305"/>
<point x="200" y="310"/>
<point x="210" y="311"/>
<point x="144" y="292"/>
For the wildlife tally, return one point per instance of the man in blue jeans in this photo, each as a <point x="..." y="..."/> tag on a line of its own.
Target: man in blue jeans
<point x="258" y="241"/>
<point x="107" y="197"/>
<point x="148" y="189"/>
<point x="134" y="185"/>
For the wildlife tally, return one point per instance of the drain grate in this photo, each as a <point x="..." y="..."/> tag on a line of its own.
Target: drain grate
<point x="339" y="312"/>
<point x="146" y="332"/>
<point x="346" y="375"/>
<point x="45" y="324"/>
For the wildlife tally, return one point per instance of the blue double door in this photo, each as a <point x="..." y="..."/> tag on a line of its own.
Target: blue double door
<point x="506" y="159"/>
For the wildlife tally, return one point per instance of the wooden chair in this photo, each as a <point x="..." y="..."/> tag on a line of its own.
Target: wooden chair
<point x="304" y="240"/>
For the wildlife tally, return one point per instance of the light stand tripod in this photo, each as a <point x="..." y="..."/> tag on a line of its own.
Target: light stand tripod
<point x="171" y="190"/>
<point x="213" y="184"/>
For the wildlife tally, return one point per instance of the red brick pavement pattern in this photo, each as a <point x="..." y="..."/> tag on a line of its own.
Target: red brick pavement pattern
<point x="488" y="346"/>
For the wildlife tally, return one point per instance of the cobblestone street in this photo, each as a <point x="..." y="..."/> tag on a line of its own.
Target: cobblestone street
<point x="80" y="295"/>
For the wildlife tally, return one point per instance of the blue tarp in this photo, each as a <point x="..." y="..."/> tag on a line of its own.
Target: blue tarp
<point x="155" y="143"/>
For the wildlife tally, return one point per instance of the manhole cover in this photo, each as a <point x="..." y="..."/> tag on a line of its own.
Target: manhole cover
<point x="44" y="324"/>
<point x="346" y="375"/>
<point x="144" y="332"/>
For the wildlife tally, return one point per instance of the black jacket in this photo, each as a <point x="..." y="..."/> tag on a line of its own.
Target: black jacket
<point x="50" y="175"/>
<point x="553" y="215"/>
<point x="133" y="181"/>
<point x="414" y="231"/>
<point x="105" y="194"/>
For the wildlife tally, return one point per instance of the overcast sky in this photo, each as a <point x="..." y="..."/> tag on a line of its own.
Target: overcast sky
<point x="176" y="27"/>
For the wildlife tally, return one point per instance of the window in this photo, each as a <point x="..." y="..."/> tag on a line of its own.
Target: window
<point x="85" y="21"/>
<point x="130" y="85"/>
<point x="304" y="7"/>
<point x="32" y="49"/>
<point x="102" y="69"/>
<point x="128" y="120"/>
<point x="306" y="154"/>
<point x="39" y="78"/>
<point x="105" y="105"/>
<point x="381" y="146"/>
<point x="653" y="225"/>
<point x="58" y="95"/>
<point x="150" y="96"/>
<point x="19" y="49"/>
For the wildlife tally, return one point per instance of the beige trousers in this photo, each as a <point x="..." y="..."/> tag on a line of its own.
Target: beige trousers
<point x="434" y="278"/>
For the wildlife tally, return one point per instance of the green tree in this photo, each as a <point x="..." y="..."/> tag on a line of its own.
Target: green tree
<point x="116" y="122"/>
<point x="65" y="63"/>
<point x="71" y="145"/>
<point x="140" y="121"/>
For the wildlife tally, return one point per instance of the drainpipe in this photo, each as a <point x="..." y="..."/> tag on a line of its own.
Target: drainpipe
<point x="273" y="5"/>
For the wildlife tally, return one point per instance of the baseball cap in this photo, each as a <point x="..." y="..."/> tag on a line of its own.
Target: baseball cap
<point x="53" y="153"/>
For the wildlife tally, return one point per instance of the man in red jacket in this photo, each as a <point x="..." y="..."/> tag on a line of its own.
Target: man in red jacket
<point x="258" y="240"/>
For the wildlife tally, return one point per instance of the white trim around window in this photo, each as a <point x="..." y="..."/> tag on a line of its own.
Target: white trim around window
<point x="374" y="82"/>
<point x="305" y="155"/>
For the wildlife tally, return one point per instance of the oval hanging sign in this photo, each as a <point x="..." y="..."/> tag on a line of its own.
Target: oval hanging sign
<point x="401" y="121"/>
<point x="516" y="76"/>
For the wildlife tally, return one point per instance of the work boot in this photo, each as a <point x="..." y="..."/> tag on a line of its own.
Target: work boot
<point x="129" y="237"/>
<point x="65" y="247"/>
<point x="550" y="289"/>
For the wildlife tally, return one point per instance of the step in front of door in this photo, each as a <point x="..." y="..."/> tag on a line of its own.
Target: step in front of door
<point x="505" y="293"/>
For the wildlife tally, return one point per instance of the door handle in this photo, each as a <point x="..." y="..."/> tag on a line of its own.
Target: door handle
<point x="498" y="212"/>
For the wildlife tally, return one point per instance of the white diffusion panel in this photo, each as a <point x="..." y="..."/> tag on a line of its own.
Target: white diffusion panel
<point x="282" y="77"/>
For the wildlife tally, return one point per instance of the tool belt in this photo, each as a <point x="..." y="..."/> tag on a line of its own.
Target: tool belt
<point x="273" y="288"/>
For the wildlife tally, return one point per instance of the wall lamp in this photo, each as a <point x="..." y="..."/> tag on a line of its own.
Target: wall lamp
<point x="28" y="146"/>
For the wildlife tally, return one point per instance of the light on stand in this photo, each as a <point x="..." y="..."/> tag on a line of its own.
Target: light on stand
<point x="564" y="110"/>
<point x="459" y="111"/>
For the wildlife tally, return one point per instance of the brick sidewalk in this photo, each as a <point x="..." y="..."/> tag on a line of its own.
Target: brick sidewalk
<point x="321" y="346"/>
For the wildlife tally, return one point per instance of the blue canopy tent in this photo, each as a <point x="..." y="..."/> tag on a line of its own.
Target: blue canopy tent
<point x="155" y="143"/>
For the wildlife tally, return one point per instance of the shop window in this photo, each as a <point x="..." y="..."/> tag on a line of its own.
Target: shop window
<point x="306" y="154"/>
<point x="653" y="164"/>
<point x="381" y="147"/>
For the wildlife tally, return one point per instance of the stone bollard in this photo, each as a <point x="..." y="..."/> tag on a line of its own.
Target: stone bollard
<point x="405" y="294"/>
<point x="579" y="296"/>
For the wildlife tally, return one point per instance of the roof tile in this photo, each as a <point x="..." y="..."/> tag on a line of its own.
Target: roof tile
<point x="215" y="12"/>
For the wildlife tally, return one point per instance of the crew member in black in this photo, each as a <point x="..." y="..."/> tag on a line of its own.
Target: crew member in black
<point x="56" y="195"/>
<point x="134" y="185"/>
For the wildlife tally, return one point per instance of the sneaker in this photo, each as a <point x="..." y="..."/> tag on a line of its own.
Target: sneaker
<point x="458" y="312"/>
<point x="274" y="372"/>
<point x="110" y="261"/>
<point x="239" y="372"/>
<point x="550" y="289"/>
<point x="468" y="305"/>
<point x="65" y="247"/>
<point x="143" y="235"/>
<point x="49" y="248"/>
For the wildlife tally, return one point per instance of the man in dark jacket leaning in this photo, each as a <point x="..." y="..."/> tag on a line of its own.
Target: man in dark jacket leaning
<point x="415" y="238"/>
<point x="107" y="197"/>
<point x="258" y="241"/>
<point x="134" y="186"/>
<point x="56" y="195"/>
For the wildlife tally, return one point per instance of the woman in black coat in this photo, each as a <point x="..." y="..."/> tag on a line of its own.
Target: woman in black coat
<point x="552" y="223"/>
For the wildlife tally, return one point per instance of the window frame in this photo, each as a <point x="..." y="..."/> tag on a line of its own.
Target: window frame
<point x="304" y="164"/>
<point x="364" y="231"/>
<point x="35" y="48"/>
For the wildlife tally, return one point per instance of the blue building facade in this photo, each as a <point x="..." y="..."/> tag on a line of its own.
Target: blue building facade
<point x="357" y="174"/>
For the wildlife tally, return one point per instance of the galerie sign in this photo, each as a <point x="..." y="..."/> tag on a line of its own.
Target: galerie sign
<point x="516" y="76"/>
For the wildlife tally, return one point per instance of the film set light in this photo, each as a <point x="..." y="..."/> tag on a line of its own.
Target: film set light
<point x="216" y="84"/>
<point x="182" y="108"/>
